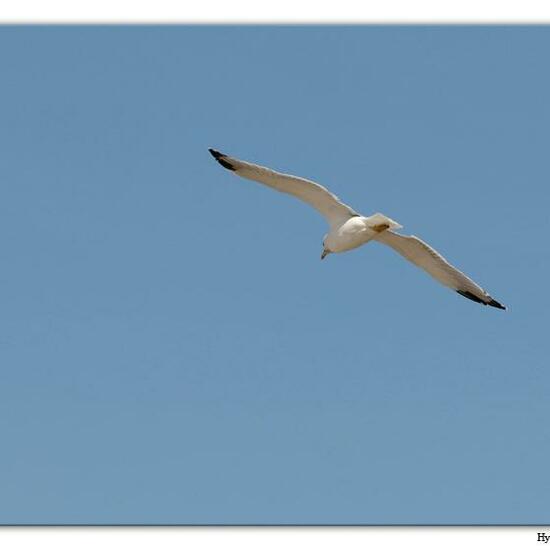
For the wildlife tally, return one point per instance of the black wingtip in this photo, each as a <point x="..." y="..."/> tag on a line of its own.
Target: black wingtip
<point x="474" y="298"/>
<point x="471" y="296"/>
<point x="494" y="303"/>
<point x="220" y="157"/>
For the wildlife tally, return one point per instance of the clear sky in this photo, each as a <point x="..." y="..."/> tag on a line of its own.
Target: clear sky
<point x="172" y="348"/>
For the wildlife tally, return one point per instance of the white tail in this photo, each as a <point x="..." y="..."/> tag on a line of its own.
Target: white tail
<point x="379" y="219"/>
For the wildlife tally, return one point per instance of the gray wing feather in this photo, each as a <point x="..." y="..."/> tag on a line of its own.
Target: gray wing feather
<point x="328" y="204"/>
<point x="424" y="256"/>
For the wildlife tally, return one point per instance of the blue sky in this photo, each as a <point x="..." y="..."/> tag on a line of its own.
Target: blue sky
<point x="172" y="348"/>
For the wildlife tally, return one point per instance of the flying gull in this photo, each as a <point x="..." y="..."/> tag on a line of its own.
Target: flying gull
<point x="349" y="229"/>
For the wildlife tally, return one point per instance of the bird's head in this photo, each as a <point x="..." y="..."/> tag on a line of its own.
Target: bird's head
<point x="326" y="251"/>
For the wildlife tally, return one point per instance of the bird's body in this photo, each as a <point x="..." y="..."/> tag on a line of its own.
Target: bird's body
<point x="349" y="235"/>
<point x="349" y="229"/>
<point x="356" y="231"/>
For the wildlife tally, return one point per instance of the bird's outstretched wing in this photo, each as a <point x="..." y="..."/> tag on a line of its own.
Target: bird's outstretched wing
<point x="314" y="194"/>
<point x="425" y="257"/>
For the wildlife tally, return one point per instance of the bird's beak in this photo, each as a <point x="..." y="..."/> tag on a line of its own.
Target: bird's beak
<point x="324" y="254"/>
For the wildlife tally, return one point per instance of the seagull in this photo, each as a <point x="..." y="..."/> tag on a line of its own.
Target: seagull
<point x="349" y="229"/>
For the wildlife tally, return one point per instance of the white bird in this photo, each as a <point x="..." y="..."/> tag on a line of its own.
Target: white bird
<point x="349" y="229"/>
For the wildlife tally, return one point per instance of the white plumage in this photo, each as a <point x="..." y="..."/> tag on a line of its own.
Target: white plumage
<point x="349" y="229"/>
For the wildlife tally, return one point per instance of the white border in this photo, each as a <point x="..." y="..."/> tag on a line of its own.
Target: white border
<point x="271" y="538"/>
<point x="291" y="12"/>
<point x="276" y="11"/>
